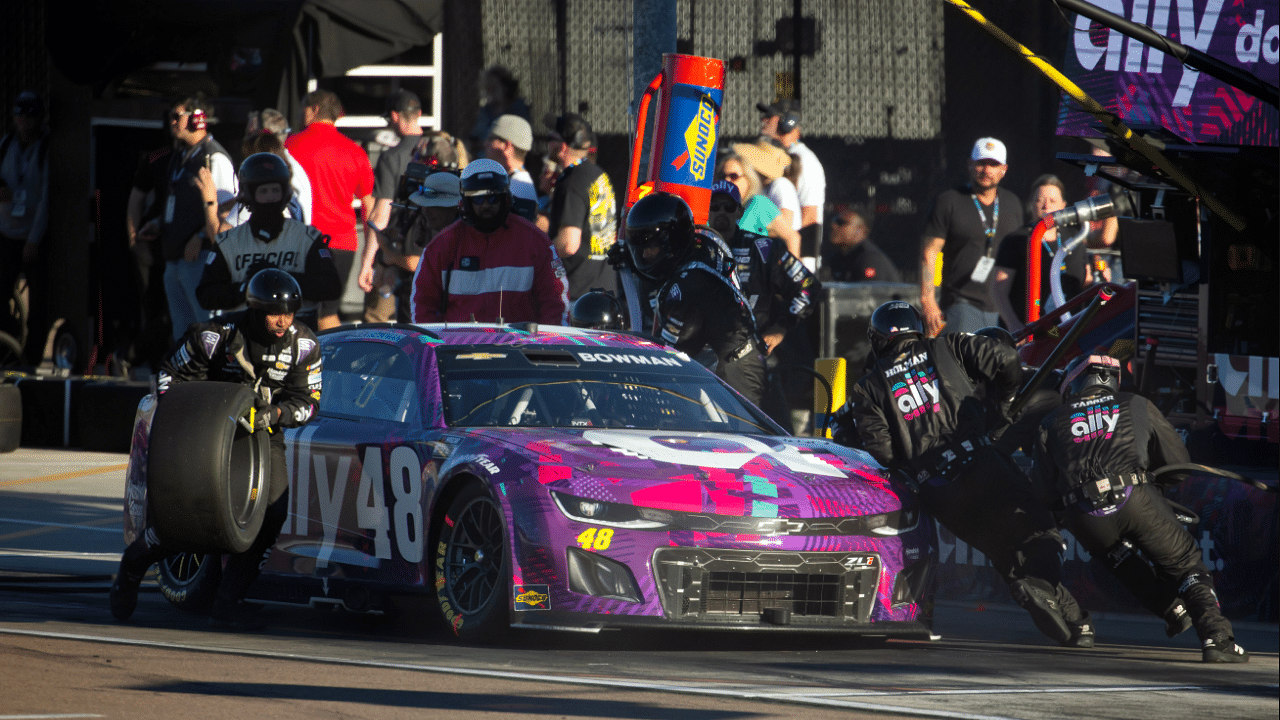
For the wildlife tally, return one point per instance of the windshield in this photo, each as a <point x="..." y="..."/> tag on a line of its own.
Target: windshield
<point x="513" y="391"/>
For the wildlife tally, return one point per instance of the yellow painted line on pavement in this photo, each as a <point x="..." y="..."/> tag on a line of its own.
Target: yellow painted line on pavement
<point x="65" y="476"/>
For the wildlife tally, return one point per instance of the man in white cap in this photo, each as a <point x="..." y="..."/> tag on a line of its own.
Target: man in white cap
<point x="964" y="232"/>
<point x="493" y="266"/>
<point x="510" y="139"/>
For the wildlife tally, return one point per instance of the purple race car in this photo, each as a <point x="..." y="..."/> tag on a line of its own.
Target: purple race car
<point x="571" y="479"/>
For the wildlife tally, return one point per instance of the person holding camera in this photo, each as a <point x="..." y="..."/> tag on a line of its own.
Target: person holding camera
<point x="403" y="111"/>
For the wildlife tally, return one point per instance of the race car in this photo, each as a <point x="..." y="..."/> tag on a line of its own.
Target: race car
<point x="573" y="479"/>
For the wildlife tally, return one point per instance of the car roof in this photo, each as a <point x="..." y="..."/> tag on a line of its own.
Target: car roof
<point x="515" y="334"/>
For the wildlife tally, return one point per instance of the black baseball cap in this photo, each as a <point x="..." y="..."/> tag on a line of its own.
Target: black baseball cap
<point x="28" y="102"/>
<point x="779" y="108"/>
<point x="402" y="101"/>
<point x="568" y="125"/>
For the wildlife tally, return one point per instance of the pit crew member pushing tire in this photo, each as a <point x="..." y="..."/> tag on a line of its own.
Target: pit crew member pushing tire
<point x="278" y="357"/>
<point x="917" y="410"/>
<point x="1093" y="452"/>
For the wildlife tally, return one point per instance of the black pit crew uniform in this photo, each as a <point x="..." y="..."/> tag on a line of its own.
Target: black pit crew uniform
<point x="285" y="373"/>
<point x="780" y="290"/>
<point x="1093" y="454"/>
<point x="917" y="411"/>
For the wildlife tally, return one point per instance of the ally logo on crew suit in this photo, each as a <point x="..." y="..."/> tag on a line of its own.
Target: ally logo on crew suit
<point x="1093" y="419"/>
<point x="914" y="384"/>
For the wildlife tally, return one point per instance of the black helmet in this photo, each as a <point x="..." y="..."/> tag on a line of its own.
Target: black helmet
<point x="597" y="310"/>
<point x="1090" y="371"/>
<point x="485" y="177"/>
<point x="663" y="221"/>
<point x="260" y="169"/>
<point x="890" y="321"/>
<point x="273" y="292"/>
<point x="996" y="332"/>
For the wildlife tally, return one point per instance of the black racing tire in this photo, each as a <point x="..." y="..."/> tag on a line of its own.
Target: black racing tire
<point x="10" y="351"/>
<point x="207" y="478"/>
<point x="190" y="580"/>
<point x="473" y="572"/>
<point x="10" y="418"/>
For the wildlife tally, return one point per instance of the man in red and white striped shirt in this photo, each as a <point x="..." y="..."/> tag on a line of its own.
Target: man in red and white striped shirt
<point x="492" y="265"/>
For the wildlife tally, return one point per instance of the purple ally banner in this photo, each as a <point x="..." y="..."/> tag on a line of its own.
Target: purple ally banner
<point x="1149" y="90"/>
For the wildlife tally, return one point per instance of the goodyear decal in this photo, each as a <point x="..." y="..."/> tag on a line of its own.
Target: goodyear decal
<point x="699" y="140"/>
<point x="532" y="597"/>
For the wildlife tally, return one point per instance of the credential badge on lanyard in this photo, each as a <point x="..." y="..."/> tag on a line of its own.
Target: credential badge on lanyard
<point x="983" y="268"/>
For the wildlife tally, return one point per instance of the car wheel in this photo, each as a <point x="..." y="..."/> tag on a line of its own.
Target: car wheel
<point x="472" y="568"/>
<point x="207" y="477"/>
<point x="10" y="418"/>
<point x="190" y="580"/>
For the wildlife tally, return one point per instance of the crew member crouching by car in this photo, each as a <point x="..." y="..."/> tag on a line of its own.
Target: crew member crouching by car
<point x="267" y="349"/>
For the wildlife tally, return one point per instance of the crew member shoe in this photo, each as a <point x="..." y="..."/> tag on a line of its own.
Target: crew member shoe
<point x="1222" y="648"/>
<point x="124" y="595"/>
<point x="235" y="617"/>
<point x="1081" y="634"/>
<point x="1043" y="608"/>
<point x="1176" y="620"/>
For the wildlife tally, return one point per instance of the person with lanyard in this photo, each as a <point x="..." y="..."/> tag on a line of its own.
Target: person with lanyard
<point x="183" y="240"/>
<point x="963" y="234"/>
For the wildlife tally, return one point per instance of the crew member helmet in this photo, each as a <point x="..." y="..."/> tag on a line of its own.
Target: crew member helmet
<point x="1087" y="372"/>
<point x="260" y="169"/>
<point x="891" y="321"/>
<point x="662" y="221"/>
<point x="597" y="310"/>
<point x="273" y="292"/>
<point x="996" y="332"/>
<point x="485" y="178"/>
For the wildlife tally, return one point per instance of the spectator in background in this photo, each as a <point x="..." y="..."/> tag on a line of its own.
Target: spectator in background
<point x="339" y="171"/>
<point x="499" y="95"/>
<point x="780" y="121"/>
<point x="546" y="188"/>
<point x="273" y="121"/>
<point x="850" y="256"/>
<point x="1009" y="289"/>
<point x="182" y="227"/>
<point x="964" y="231"/>
<point x="146" y="202"/>
<point x="770" y="162"/>
<point x="584" y="211"/>
<point x="24" y="217"/>
<point x="510" y="139"/>
<point x="403" y="111"/>
<point x="759" y="215"/>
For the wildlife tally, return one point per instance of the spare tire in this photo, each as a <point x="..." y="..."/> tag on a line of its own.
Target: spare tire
<point x="10" y="417"/>
<point x="207" y="477"/>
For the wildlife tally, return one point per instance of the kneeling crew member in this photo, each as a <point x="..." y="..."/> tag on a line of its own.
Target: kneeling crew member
<point x="917" y="411"/>
<point x="1094" y="452"/>
<point x="268" y="239"/>
<point x="698" y="305"/>
<point x="266" y="349"/>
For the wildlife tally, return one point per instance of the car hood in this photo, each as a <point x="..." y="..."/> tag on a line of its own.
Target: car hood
<point x="722" y="474"/>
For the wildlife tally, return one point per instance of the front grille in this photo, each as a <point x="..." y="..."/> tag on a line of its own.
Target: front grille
<point x="737" y="593"/>
<point x="817" y="588"/>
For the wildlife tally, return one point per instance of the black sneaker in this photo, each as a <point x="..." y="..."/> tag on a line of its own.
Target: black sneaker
<point x="1176" y="620"/>
<point x="124" y="595"/>
<point x="237" y="617"/>
<point x="1081" y="634"/>
<point x="1043" y="608"/>
<point x="1223" y="649"/>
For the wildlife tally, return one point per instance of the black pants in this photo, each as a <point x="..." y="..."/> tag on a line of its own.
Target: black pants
<point x="242" y="568"/>
<point x="37" y="326"/>
<point x="1147" y="521"/>
<point x="746" y="375"/>
<point x="989" y="505"/>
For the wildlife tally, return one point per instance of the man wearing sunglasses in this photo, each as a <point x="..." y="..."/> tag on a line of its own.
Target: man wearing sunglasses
<point x="493" y="266"/>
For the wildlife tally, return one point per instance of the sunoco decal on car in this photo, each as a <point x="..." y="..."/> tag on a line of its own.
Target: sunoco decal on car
<point x="629" y="359"/>
<point x="532" y="597"/>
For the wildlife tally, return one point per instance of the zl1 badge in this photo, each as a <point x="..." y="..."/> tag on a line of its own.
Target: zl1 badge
<point x="532" y="597"/>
